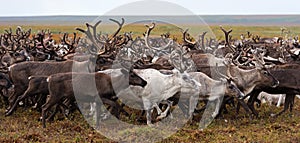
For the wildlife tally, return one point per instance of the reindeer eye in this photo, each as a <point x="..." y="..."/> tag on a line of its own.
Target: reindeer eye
<point x="265" y="72"/>
<point x="184" y="77"/>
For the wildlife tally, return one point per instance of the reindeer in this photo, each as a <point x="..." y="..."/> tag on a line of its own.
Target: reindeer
<point x="65" y="85"/>
<point x="19" y="74"/>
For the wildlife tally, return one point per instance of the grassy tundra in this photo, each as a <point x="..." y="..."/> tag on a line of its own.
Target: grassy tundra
<point x="138" y="30"/>
<point x="24" y="126"/>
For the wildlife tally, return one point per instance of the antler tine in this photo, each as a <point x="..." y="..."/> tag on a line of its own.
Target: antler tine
<point x="78" y="39"/>
<point x="9" y="33"/>
<point x="185" y="39"/>
<point x="150" y="28"/>
<point x="227" y="37"/>
<point x="2" y="43"/>
<point x="119" y="29"/>
<point x="18" y="30"/>
<point x="229" y="31"/>
<point x="202" y="39"/>
<point x="120" y="24"/>
<point x="81" y="30"/>
<point x="64" y="39"/>
<point x="249" y="34"/>
<point x="95" y="31"/>
<point x="27" y="34"/>
<point x="74" y="38"/>
<point x="184" y="33"/>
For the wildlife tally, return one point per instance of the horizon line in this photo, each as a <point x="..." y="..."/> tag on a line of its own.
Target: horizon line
<point x="54" y="15"/>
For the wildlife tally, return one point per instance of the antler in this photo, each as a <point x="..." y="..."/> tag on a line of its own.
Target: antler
<point x="119" y="29"/>
<point x="227" y="38"/>
<point x="249" y="34"/>
<point x="202" y="39"/>
<point x="93" y="38"/>
<point x="146" y="38"/>
<point x="185" y="38"/>
<point x="256" y="56"/>
<point x="94" y="27"/>
<point x="72" y="45"/>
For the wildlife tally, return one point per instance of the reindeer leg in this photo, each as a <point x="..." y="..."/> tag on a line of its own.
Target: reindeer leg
<point x="217" y="109"/>
<point x="280" y="100"/>
<point x="193" y="100"/>
<point x="292" y="101"/>
<point x="97" y="110"/>
<point x="238" y="106"/>
<point x="92" y="108"/>
<point x="250" y="103"/>
<point x="244" y="105"/>
<point x="164" y="114"/>
<point x="157" y="109"/>
<point x="148" y="116"/>
<point x="148" y="106"/>
<point x="45" y="108"/>
<point x="51" y="117"/>
<point x="287" y="103"/>
<point x="183" y="108"/>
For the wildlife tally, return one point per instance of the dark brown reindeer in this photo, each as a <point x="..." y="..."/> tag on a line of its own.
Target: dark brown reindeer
<point x="19" y="74"/>
<point x="61" y="86"/>
<point x="289" y="85"/>
<point x="37" y="85"/>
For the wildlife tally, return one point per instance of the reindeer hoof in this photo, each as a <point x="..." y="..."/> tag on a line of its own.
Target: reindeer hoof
<point x="150" y="125"/>
<point x="161" y="116"/>
<point x="8" y="113"/>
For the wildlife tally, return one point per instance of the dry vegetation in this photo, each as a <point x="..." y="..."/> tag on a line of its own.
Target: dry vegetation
<point x="138" y="30"/>
<point x="24" y="125"/>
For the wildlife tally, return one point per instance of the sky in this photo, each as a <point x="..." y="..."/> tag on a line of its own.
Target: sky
<point x="100" y="7"/>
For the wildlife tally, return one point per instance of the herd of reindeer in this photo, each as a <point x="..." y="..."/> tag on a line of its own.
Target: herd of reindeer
<point x="156" y="72"/>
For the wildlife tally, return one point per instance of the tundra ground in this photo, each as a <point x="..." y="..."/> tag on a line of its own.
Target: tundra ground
<point x="24" y="126"/>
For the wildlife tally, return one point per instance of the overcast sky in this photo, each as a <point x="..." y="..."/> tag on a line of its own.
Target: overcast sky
<point x="100" y="7"/>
